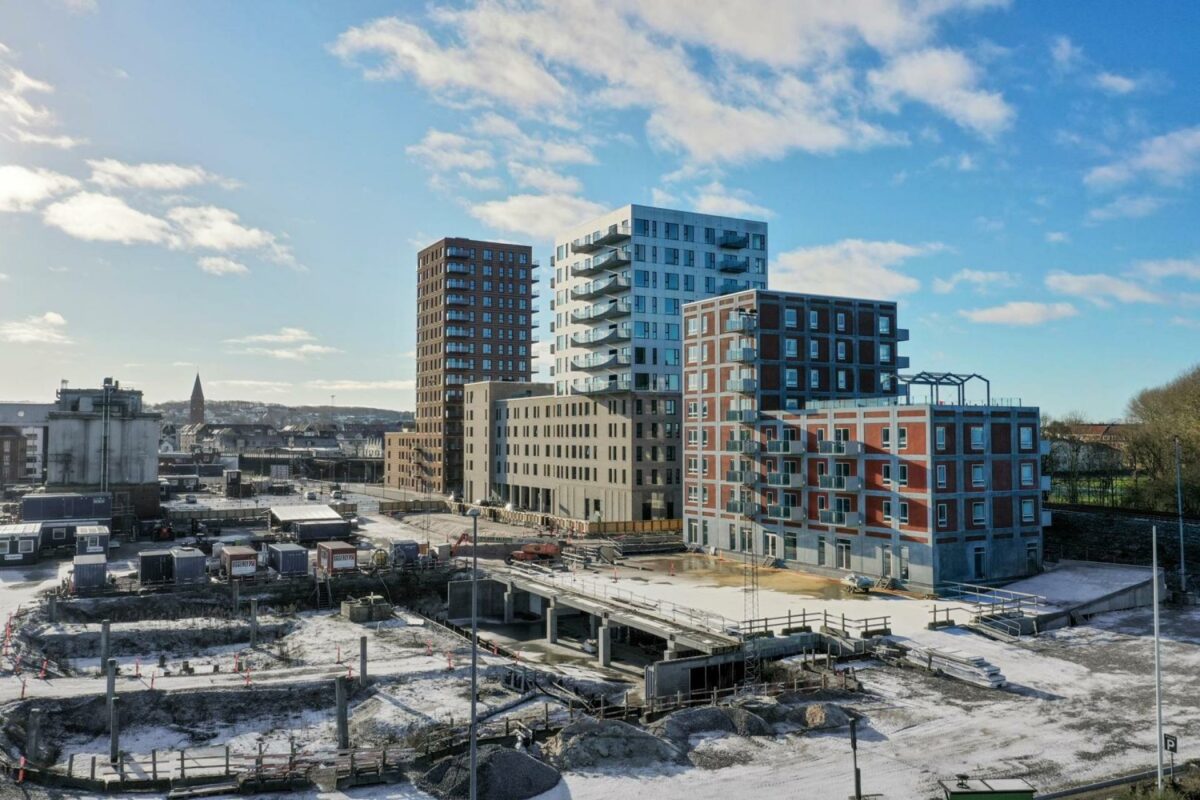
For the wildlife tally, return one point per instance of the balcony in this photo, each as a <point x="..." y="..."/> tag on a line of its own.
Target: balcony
<point x="840" y="483"/>
<point x="458" y="269"/>
<point x="733" y="239"/>
<point x="459" y="316"/>
<point x="729" y="287"/>
<point x="601" y="385"/>
<point x="733" y="264"/>
<point x="457" y="252"/>
<point x="741" y="323"/>
<point x="744" y="507"/>
<point x="788" y="480"/>
<point x="613" y="235"/>
<point x="846" y="519"/>
<point x="1044" y="447"/>
<point x="460" y="332"/>
<point x="594" y="338"/>
<point x="458" y="300"/>
<point x="460" y="363"/>
<point x="741" y="385"/>
<point x="785" y="447"/>
<point x="902" y="362"/>
<point x="460" y="349"/>
<point x="791" y="513"/>
<point x="611" y="284"/>
<point x="613" y="310"/>
<point x="1047" y="520"/>
<point x="600" y="361"/>
<point x="901" y="334"/>
<point x="1046" y="483"/>
<point x="584" y="246"/>
<point x="611" y="260"/>
<point x="833" y="447"/>
<point x="741" y="354"/>
<point x="745" y="446"/>
<point x="746" y="416"/>
<point x="743" y="476"/>
<point x="458" y="283"/>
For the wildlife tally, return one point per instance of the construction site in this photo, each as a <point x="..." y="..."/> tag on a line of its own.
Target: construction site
<point x="278" y="649"/>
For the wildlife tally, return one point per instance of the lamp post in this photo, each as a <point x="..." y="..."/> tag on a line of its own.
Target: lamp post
<point x="474" y="514"/>
<point x="1157" y="656"/>
<point x="1179" y="508"/>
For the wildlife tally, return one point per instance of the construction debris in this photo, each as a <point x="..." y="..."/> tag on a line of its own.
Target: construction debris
<point x="503" y="774"/>
<point x="956" y="664"/>
<point x="588" y="743"/>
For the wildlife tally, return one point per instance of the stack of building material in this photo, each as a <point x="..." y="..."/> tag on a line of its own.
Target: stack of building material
<point x="960" y="665"/>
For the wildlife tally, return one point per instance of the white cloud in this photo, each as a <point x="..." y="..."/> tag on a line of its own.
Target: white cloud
<point x="487" y="183"/>
<point x="81" y="6"/>
<point x="60" y="141"/>
<point x="946" y="80"/>
<point x="362" y="386"/>
<point x="539" y="215"/>
<point x="15" y="88"/>
<point x="851" y="267"/>
<point x="1116" y="84"/>
<point x="980" y="279"/>
<point x="301" y="345"/>
<point x="1127" y="207"/>
<point x="716" y="199"/>
<point x="275" y="387"/>
<point x="1058" y="237"/>
<point x="220" y="266"/>
<point x="283" y="336"/>
<point x="1020" y="312"/>
<point x="103" y="218"/>
<point x="1186" y="322"/>
<point x="112" y="174"/>
<point x="1065" y="53"/>
<point x="49" y="328"/>
<point x="963" y="162"/>
<point x="1166" y="159"/>
<point x="1099" y="289"/>
<point x="1168" y="268"/>
<point x="23" y="189"/>
<point x="544" y="180"/>
<point x="213" y="228"/>
<point x="442" y="150"/>
<point x="300" y="353"/>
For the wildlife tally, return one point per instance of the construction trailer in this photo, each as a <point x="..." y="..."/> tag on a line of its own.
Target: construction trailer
<point x="68" y="505"/>
<point x="239" y="562"/>
<point x="90" y="573"/>
<point x="335" y="558"/>
<point x="92" y="540"/>
<point x="188" y="565"/>
<point x="287" y="560"/>
<point x="20" y="543"/>
<point x="60" y="534"/>
<point x="320" y="531"/>
<point x="156" y="567"/>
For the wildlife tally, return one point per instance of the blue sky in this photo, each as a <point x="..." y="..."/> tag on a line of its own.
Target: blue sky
<point x="241" y="188"/>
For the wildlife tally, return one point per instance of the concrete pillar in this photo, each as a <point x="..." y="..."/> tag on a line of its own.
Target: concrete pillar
<point x="594" y="621"/>
<point x="510" y="599"/>
<point x="111" y="689"/>
<point x="33" y="735"/>
<point x="114" y="730"/>
<point x="362" y="660"/>
<point x="552" y="624"/>
<point x="236" y="600"/>
<point x="253" y="621"/>
<point x="343" y="721"/>
<point x="604" y="645"/>
<point x="52" y="607"/>
<point x="105" y="642"/>
<point x="672" y="649"/>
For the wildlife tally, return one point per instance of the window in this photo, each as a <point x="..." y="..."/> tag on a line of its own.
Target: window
<point x="841" y="351"/>
<point x="903" y="442"/>
<point x="885" y="354"/>
<point x="939" y="437"/>
<point x="1027" y="474"/>
<point x="943" y="515"/>
<point x="977" y="513"/>
<point x="977" y="478"/>
<point x="885" y="325"/>
<point x="887" y="510"/>
<point x="812" y="319"/>
<point x="820" y="551"/>
<point x="843" y="555"/>
<point x="887" y="437"/>
<point x="841" y="321"/>
<point x="903" y="472"/>
<point x="1026" y="434"/>
<point x="793" y="378"/>
<point x="903" y="513"/>
<point x="1027" y="511"/>
<point x="789" y="318"/>
<point x="814" y="379"/>
<point x="976" y="437"/>
<point x="25" y="546"/>
<point x="887" y="474"/>
<point x="792" y="348"/>
<point x="814" y="349"/>
<point x="841" y="379"/>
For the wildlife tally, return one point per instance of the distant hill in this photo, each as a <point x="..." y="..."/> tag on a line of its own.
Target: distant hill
<point x="176" y="411"/>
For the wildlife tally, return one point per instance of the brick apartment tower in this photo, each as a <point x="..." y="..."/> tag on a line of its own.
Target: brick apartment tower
<point x="196" y="409"/>
<point x="475" y="307"/>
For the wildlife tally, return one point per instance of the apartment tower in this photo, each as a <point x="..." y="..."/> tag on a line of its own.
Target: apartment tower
<point x="475" y="306"/>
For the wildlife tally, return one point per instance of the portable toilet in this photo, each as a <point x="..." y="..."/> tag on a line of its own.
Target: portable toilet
<point x="189" y="565"/>
<point x="92" y="539"/>
<point x="91" y="572"/>
<point x="155" y="567"/>
<point x="20" y="543"/>
<point x="287" y="560"/>
<point x="239" y="562"/>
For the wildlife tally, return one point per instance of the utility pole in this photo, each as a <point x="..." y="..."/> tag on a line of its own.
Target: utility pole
<point x="1179" y="508"/>
<point x="1157" y="656"/>
<point x="474" y="512"/>
<point x="854" y="755"/>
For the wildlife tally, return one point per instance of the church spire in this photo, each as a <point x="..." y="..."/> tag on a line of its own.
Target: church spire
<point x="196" y="412"/>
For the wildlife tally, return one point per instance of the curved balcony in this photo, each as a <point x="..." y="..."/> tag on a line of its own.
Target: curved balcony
<point x="733" y="264"/>
<point x="600" y="361"/>
<point x="610" y="285"/>
<point x="611" y="260"/>
<point x="601" y="385"/>
<point x="733" y="239"/>
<point x="612" y="235"/>
<point x="584" y="246"/>
<point x="613" y="310"/>
<point x="595" y="338"/>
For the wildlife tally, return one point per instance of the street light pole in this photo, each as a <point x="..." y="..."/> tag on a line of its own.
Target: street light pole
<point x="474" y="513"/>
<point x="1157" y="657"/>
<point x="1179" y="508"/>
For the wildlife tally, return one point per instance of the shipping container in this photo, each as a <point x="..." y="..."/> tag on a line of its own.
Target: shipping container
<point x="91" y="506"/>
<point x="189" y="565"/>
<point x="60" y="534"/>
<point x="336" y="557"/>
<point x="92" y="540"/>
<point x="288" y="560"/>
<point x="239" y="562"/>
<point x="321" y="530"/>
<point x="155" y="567"/>
<point x="20" y="544"/>
<point x="91" y="572"/>
<point x="405" y="552"/>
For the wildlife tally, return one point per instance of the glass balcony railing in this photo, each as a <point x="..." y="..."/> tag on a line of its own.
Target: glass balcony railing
<point x="742" y="476"/>
<point x="742" y="446"/>
<point x="787" y="512"/>
<point x="840" y="483"/>
<point x="785" y="447"/>
<point x="733" y="239"/>
<point x="741" y="385"/>
<point x="788" y="480"/>
<point x="457" y="252"/>
<point x="843" y="518"/>
<point x="601" y="385"/>
<point x="741" y="354"/>
<point x="746" y="508"/>
<point x="741" y="323"/>
<point x="733" y="264"/>
<point x="832" y="447"/>
<point x="743" y="415"/>
<point x="458" y="300"/>
<point x="599" y="336"/>
<point x="600" y="361"/>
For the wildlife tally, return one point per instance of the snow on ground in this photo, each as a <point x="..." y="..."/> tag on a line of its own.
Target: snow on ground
<point x="1076" y="582"/>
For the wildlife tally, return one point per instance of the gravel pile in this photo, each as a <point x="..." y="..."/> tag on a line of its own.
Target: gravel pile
<point x="504" y="774"/>
<point x="588" y="743"/>
<point x="679" y="727"/>
<point x="821" y="716"/>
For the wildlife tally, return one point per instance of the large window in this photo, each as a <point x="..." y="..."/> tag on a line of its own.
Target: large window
<point x="1026" y="434"/>
<point x="1027" y="474"/>
<point x="977" y="476"/>
<point x="976" y="437"/>
<point x="1028" y="510"/>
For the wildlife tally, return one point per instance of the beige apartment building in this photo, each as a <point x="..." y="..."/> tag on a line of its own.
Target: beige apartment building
<point x="602" y="459"/>
<point x="475" y="306"/>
